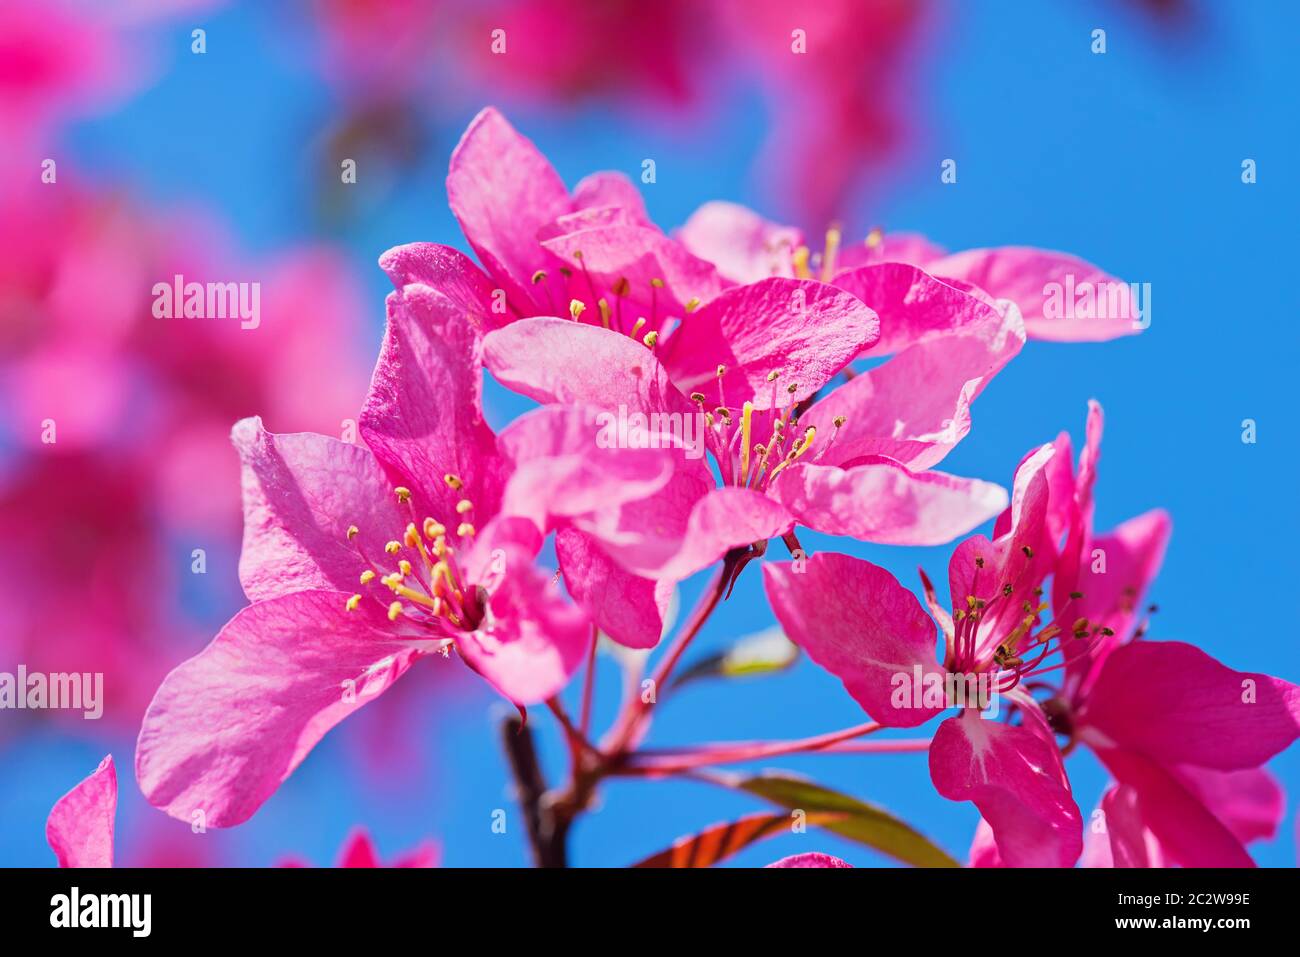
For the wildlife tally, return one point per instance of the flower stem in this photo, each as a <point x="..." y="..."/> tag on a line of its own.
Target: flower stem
<point x="656" y="763"/>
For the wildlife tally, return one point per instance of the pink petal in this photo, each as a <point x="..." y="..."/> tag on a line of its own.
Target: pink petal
<point x="1023" y="275"/>
<point x="423" y="416"/>
<point x="301" y="492"/>
<point x="810" y="859"/>
<point x="80" y="826"/>
<point x="1016" y="780"/>
<point x="742" y="244"/>
<point x="1175" y="704"/>
<point x="722" y="519"/>
<point x="359" y="851"/>
<point x="803" y="331"/>
<point x="984" y="847"/>
<point x="603" y="255"/>
<point x="558" y="360"/>
<point x="856" y="621"/>
<point x="913" y="305"/>
<point x="532" y="640"/>
<point x="1117" y="836"/>
<point x="611" y="190"/>
<point x="230" y="724"/>
<point x="1186" y="831"/>
<point x="884" y="413"/>
<point x="1249" y="802"/>
<point x="502" y="191"/>
<point x="451" y="274"/>
<point x="628" y="608"/>
<point x="892" y="247"/>
<point x="883" y="501"/>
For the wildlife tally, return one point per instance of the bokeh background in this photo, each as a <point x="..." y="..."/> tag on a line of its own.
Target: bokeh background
<point x="226" y="164"/>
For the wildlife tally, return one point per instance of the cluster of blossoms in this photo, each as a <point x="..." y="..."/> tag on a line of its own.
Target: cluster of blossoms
<point x="421" y="541"/>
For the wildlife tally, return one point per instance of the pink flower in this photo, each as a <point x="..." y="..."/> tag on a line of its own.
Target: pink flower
<point x="80" y="826"/>
<point x="737" y="358"/>
<point x="359" y="851"/>
<point x="810" y="859"/>
<point x="1156" y="713"/>
<point x="1060" y="296"/>
<point x="360" y="560"/>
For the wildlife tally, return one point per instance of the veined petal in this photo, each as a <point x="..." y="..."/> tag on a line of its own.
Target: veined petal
<point x="230" y="724"/>
<point x="628" y="608"/>
<point x="883" y="501"/>
<point x="800" y="331"/>
<point x="301" y="492"/>
<point x="1016" y="780"/>
<point x="502" y="190"/>
<point x="742" y="244"/>
<point x="810" y="859"/>
<point x="449" y="273"/>
<point x="1175" y="704"/>
<point x="1049" y="288"/>
<point x="856" y="621"/>
<point x="80" y="826"/>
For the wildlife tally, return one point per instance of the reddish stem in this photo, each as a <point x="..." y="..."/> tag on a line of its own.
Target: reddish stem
<point x="672" y="762"/>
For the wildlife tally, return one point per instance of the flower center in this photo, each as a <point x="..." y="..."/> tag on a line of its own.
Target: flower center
<point x="422" y="572"/>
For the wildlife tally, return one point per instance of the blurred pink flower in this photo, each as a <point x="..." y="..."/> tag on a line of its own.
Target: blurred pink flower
<point x="359" y="851"/>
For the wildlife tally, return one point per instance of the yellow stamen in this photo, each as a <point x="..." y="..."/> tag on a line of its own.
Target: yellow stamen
<point x="650" y="339"/>
<point x="412" y="595"/>
<point x="394" y="610"/>
<point x="539" y="276"/>
<point x="576" y="308"/>
<point x="799" y="259"/>
<point x="808" y="438"/>
<point x="464" y="529"/>
<point x="692" y="304"/>
<point x="464" y="505"/>
<point x="453" y="481"/>
<point x="433" y="529"/>
<point x="367" y="576"/>
<point x="393" y="548"/>
<point x="636" y="326"/>
<point x="604" y="312"/>
<point x="403" y="493"/>
<point x="657" y="283"/>
<point x="353" y="602"/>
<point x="832" y="250"/>
<point x="875" y="238"/>
<point x="411" y="537"/>
<point x="352" y="532"/>
<point x="404" y="566"/>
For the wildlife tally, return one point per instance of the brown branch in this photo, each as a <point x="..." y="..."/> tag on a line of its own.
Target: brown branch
<point x="547" y="830"/>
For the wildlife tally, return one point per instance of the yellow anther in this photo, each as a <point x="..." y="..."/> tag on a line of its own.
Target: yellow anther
<point x="393" y="548"/>
<point x="839" y="421"/>
<point x="464" y="529"/>
<point x="657" y="283"/>
<point x="773" y="375"/>
<point x="403" y="493"/>
<point x="832" y="250"/>
<point x="875" y="238"/>
<point x="453" y="481"/>
<point x="352" y="532"/>
<point x="411" y="537"/>
<point x="539" y="276"/>
<point x="810" y="434"/>
<point x="404" y="566"/>
<point x="722" y="370"/>
<point x="576" y="308"/>
<point x="464" y="505"/>
<point x="433" y="529"/>
<point x="697" y="398"/>
<point x="577" y="254"/>
<point x="353" y="602"/>
<point x="604" y="312"/>
<point x="692" y="304"/>
<point x="391" y="580"/>
<point x="394" y="610"/>
<point x="799" y="259"/>
<point x="650" y="339"/>
<point x="792" y="388"/>
<point x="367" y="576"/>
<point x="636" y="326"/>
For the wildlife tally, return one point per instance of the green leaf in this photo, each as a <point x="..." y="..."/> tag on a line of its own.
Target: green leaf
<point x="844" y="815"/>
<point x="761" y="653"/>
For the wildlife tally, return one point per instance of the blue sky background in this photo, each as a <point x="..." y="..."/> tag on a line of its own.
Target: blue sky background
<point x="1130" y="159"/>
